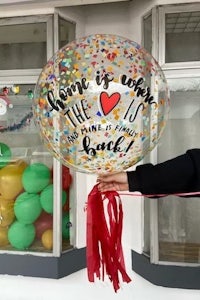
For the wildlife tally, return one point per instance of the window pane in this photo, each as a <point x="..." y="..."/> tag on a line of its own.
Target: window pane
<point x="22" y="216"/>
<point x="22" y="46"/>
<point x="179" y="217"/>
<point x="16" y="111"/>
<point x="182" y="37"/>
<point x="26" y="197"/>
<point x="66" y="222"/>
<point x="66" y="32"/>
<point x="148" y="33"/>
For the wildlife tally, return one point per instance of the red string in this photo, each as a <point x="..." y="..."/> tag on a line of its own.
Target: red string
<point x="136" y="194"/>
<point x="104" y="251"/>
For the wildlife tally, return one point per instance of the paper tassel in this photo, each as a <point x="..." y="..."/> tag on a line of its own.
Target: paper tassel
<point x="104" y="249"/>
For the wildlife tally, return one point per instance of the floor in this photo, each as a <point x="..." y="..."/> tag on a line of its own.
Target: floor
<point x="76" y="286"/>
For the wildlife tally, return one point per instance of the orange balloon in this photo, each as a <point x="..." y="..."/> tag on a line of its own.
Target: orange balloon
<point x="7" y="214"/>
<point x="47" y="239"/>
<point x="4" y="236"/>
<point x="11" y="179"/>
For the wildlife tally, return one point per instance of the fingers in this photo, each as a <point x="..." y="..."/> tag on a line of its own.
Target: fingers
<point x="111" y="186"/>
<point x="120" y="177"/>
<point x="107" y="178"/>
<point x="113" y="182"/>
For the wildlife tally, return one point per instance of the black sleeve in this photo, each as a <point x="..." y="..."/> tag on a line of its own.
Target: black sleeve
<point x="178" y="175"/>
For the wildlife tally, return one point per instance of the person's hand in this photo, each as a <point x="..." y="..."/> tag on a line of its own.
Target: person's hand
<point x="113" y="182"/>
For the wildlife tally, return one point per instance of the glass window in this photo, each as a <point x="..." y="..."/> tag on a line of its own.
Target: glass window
<point x="66" y="217"/>
<point x="178" y="218"/>
<point x="26" y="178"/>
<point x="147" y="23"/>
<point x="66" y="32"/>
<point x="23" y="46"/>
<point x="182" y="37"/>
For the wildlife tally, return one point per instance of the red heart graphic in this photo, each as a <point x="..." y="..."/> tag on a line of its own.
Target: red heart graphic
<point x="109" y="102"/>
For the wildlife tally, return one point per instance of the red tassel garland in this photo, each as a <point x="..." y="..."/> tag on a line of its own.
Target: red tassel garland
<point x="104" y="250"/>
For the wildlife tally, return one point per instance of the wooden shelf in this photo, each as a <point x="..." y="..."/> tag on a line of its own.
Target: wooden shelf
<point x="179" y="252"/>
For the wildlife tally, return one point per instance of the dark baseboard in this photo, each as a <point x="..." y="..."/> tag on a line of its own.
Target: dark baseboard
<point x="43" y="266"/>
<point x="186" y="277"/>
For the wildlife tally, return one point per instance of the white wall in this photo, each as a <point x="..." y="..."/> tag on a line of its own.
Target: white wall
<point x="123" y="19"/>
<point x="111" y="19"/>
<point x="115" y="19"/>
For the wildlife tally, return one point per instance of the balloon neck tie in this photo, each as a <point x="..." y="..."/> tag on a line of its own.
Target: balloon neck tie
<point x="104" y="251"/>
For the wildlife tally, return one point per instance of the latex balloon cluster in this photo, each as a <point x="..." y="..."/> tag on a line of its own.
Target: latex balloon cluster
<point x="27" y="206"/>
<point x="26" y="202"/>
<point x="34" y="207"/>
<point x="101" y="103"/>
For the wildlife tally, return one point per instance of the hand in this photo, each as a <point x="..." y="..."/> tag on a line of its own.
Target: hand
<point x="113" y="182"/>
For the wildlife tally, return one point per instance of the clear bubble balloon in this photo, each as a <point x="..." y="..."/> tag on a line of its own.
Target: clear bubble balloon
<point x="101" y="103"/>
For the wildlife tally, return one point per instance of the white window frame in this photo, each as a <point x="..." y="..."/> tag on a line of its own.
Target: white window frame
<point x="179" y="67"/>
<point x="171" y="71"/>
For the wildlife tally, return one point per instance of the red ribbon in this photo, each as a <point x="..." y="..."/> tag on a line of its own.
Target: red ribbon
<point x="104" y="251"/>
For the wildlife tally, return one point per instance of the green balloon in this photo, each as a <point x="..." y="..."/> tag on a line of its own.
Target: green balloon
<point x="21" y="236"/>
<point x="27" y="208"/>
<point x="36" y="177"/>
<point x="65" y="225"/>
<point x="46" y="198"/>
<point x="5" y="155"/>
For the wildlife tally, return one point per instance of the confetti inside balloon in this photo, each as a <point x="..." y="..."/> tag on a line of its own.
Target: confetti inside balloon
<point x="101" y="103"/>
